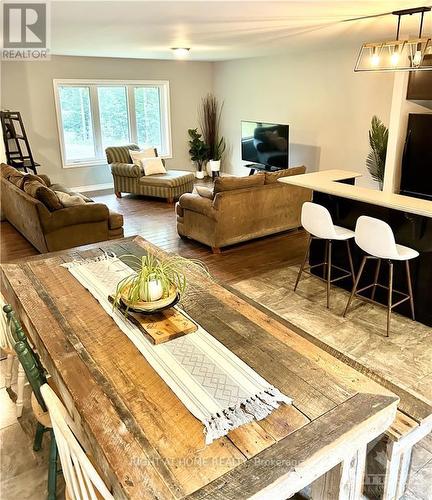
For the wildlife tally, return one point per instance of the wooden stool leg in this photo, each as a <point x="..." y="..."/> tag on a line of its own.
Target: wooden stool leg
<point x="329" y="264"/>
<point x="9" y="369"/>
<point x="357" y="281"/>
<point x="303" y="263"/>
<point x="410" y="291"/>
<point x="350" y="261"/>
<point x="377" y="271"/>
<point x="52" y="468"/>
<point x="390" y="297"/>
<point x="343" y="482"/>
<point x="20" y="390"/>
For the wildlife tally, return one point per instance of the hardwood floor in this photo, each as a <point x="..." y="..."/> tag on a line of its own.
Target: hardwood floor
<point x="155" y="221"/>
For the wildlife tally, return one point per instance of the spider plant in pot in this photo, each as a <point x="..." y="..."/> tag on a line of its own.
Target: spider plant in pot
<point x="154" y="283"/>
<point x="209" y="120"/>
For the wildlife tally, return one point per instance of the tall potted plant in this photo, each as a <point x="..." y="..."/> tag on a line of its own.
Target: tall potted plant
<point x="209" y="120"/>
<point x="378" y="139"/>
<point x="198" y="151"/>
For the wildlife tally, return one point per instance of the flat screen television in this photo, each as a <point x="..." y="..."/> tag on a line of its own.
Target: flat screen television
<point x="265" y="144"/>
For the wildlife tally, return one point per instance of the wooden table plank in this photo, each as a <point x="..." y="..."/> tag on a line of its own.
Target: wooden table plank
<point x="301" y="453"/>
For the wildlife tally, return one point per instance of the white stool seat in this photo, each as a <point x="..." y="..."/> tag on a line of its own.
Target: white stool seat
<point x="405" y="253"/>
<point x="376" y="238"/>
<point x="318" y="222"/>
<point x="342" y="233"/>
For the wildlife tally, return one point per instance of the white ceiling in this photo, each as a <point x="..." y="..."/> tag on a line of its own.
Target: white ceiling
<point x="220" y="30"/>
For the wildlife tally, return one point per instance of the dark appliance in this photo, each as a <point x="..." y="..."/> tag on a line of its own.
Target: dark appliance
<point x="265" y="145"/>
<point x="416" y="179"/>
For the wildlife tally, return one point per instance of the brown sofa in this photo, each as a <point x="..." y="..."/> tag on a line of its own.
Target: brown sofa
<point x="55" y="229"/>
<point x="243" y="208"/>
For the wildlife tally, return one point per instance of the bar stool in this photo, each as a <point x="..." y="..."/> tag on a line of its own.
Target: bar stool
<point x="318" y="222"/>
<point x="376" y="238"/>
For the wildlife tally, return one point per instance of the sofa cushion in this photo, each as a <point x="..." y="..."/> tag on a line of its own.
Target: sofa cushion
<point x="172" y="178"/>
<point x="115" y="220"/>
<point x="120" y="154"/>
<point x="13" y="175"/>
<point x="64" y="189"/>
<point x="137" y="157"/>
<point x="69" y="200"/>
<point x="205" y="192"/>
<point x="6" y="170"/>
<point x="44" y="194"/>
<point x="231" y="183"/>
<point x="45" y="179"/>
<point x="272" y="177"/>
<point x="33" y="177"/>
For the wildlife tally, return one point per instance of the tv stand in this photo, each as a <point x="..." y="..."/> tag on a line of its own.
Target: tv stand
<point x="262" y="168"/>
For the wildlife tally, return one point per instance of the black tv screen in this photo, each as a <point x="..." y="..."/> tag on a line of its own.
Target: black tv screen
<point x="265" y="143"/>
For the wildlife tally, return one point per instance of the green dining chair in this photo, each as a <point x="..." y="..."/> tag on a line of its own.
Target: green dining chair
<point x="37" y="377"/>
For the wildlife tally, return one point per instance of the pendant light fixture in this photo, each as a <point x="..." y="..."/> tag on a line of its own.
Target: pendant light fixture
<point x="398" y="55"/>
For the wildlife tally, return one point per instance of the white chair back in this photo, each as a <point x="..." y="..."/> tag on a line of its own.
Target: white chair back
<point x="375" y="237"/>
<point x="82" y="480"/>
<point x="317" y="220"/>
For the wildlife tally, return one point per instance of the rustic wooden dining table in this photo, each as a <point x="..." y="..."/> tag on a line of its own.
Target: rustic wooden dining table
<point x="143" y="439"/>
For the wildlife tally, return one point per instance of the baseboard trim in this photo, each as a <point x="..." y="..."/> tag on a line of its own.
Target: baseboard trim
<point x="93" y="187"/>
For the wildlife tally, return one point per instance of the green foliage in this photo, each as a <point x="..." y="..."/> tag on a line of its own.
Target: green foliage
<point x="198" y="149"/>
<point x="170" y="271"/>
<point x="378" y="139"/>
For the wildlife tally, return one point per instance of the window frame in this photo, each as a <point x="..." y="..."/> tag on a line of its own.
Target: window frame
<point x="164" y="96"/>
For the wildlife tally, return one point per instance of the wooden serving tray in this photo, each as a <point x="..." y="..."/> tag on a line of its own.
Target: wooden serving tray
<point x="162" y="326"/>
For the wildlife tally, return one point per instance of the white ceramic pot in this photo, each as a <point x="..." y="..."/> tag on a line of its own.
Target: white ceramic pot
<point x="199" y="174"/>
<point x="215" y="165"/>
<point x="155" y="290"/>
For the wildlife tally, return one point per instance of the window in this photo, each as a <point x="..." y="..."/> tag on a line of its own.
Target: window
<point x="93" y="115"/>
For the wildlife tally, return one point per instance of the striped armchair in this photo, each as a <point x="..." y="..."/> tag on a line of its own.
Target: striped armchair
<point x="130" y="178"/>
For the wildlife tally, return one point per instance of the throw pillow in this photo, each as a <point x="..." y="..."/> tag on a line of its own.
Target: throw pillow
<point x="33" y="177"/>
<point x="69" y="200"/>
<point x="231" y="183"/>
<point x="44" y="194"/>
<point x="139" y="156"/>
<point x="153" y="166"/>
<point x="64" y="189"/>
<point x="7" y="170"/>
<point x="272" y="177"/>
<point x="205" y="192"/>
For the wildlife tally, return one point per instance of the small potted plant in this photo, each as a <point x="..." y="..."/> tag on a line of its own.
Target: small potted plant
<point x="154" y="283"/>
<point x="198" y="151"/>
<point x="209" y="119"/>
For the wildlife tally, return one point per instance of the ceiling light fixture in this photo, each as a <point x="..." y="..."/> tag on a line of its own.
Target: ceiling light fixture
<point x="398" y="55"/>
<point x="180" y="52"/>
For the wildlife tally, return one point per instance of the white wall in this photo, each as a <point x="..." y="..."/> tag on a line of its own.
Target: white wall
<point x="28" y="87"/>
<point x="326" y="104"/>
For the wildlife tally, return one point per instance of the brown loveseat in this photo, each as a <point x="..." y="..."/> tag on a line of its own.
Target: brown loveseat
<point x="56" y="228"/>
<point x="243" y="208"/>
